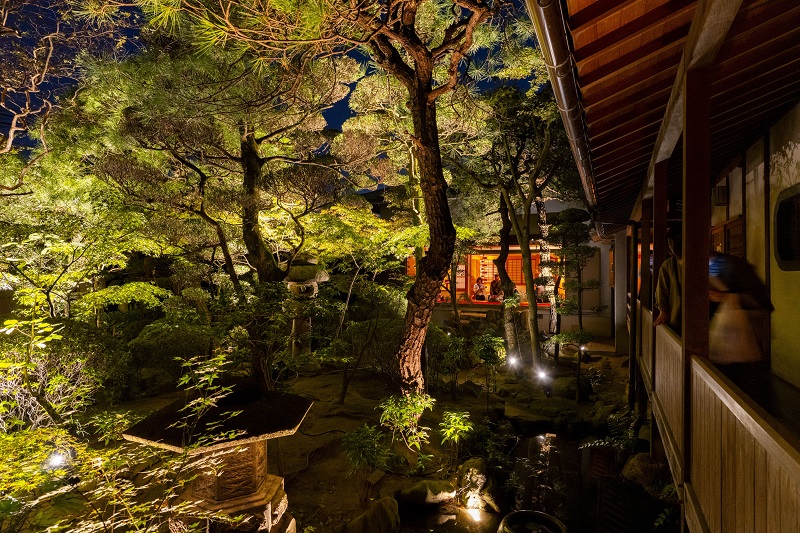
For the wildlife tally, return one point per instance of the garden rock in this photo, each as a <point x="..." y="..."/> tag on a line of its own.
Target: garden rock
<point x="644" y="433"/>
<point x="569" y="420"/>
<point x="647" y="472"/>
<point x="529" y="425"/>
<point x="426" y="492"/>
<point x="523" y="397"/>
<point x="383" y="516"/>
<point x="565" y="388"/>
<point x="601" y="414"/>
<point x="497" y="407"/>
<point x="476" y="486"/>
<point x="470" y="387"/>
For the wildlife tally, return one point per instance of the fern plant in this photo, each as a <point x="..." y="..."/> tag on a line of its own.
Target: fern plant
<point x="622" y="434"/>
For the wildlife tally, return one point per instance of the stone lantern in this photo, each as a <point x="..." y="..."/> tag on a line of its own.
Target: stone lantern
<point x="239" y="484"/>
<point x="303" y="281"/>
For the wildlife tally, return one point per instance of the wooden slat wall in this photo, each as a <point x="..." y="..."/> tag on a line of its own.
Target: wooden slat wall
<point x="668" y="400"/>
<point x="646" y="350"/>
<point x="745" y="473"/>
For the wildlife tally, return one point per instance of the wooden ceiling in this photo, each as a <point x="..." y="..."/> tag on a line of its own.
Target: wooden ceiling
<point x="626" y="56"/>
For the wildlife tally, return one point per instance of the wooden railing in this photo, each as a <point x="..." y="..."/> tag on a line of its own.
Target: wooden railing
<point x="646" y="348"/>
<point x="668" y="398"/>
<point x="745" y="469"/>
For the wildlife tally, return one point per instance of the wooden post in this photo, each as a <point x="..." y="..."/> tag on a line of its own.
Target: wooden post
<point x="646" y="290"/>
<point x="660" y="175"/>
<point x="646" y="295"/>
<point x="659" y="218"/>
<point x="767" y="244"/>
<point x="696" y="234"/>
<point x="632" y="313"/>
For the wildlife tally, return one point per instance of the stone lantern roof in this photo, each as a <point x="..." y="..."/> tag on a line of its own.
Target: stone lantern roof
<point x="261" y="416"/>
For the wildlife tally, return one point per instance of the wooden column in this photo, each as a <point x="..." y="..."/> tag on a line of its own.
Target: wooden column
<point x="767" y="244"/>
<point x="744" y="204"/>
<point x="659" y="219"/>
<point x="632" y="313"/>
<point x="696" y="233"/>
<point x="646" y="296"/>
<point x="646" y="292"/>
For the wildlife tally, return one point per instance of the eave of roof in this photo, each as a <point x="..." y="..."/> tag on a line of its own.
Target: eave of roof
<point x="619" y="83"/>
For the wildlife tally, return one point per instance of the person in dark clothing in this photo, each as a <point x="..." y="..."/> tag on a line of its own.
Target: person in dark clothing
<point x="668" y="287"/>
<point x="495" y="289"/>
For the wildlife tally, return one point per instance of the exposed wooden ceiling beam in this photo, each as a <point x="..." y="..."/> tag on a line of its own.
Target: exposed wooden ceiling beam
<point x="603" y="103"/>
<point x="633" y="61"/>
<point x="652" y="102"/>
<point x="635" y="77"/>
<point x="674" y="10"/>
<point x="594" y="12"/>
<point x="632" y="128"/>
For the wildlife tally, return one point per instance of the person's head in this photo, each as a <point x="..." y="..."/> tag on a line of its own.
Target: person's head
<point x="496" y="277"/>
<point x="675" y="240"/>
<point x="479" y="280"/>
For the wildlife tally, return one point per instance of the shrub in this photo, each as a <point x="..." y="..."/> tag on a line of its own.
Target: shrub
<point x="366" y="450"/>
<point x="401" y="415"/>
<point x="455" y="425"/>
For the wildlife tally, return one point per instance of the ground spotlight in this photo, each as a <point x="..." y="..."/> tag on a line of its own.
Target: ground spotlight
<point x="512" y="361"/>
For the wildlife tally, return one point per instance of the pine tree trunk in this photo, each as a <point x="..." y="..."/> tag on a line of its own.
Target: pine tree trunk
<point x="433" y="267"/>
<point x="257" y="252"/>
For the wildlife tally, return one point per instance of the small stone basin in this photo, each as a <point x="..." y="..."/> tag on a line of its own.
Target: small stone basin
<point x="531" y="522"/>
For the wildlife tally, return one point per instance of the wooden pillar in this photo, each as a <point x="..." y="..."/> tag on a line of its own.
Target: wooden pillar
<point x="621" y="277"/>
<point x="646" y="291"/>
<point x="696" y="234"/>
<point x="659" y="208"/>
<point x="767" y="244"/>
<point x="633" y="313"/>
<point x="744" y="204"/>
<point x="659" y="217"/>
<point x="696" y="212"/>
<point x="646" y="296"/>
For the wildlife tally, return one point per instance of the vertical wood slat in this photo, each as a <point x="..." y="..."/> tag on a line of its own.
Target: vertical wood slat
<point x="728" y="518"/>
<point x="647" y="348"/>
<point x="760" y="509"/>
<point x="773" y="497"/>
<point x="743" y="479"/>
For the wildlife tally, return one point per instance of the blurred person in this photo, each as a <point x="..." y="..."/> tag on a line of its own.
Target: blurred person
<point x="739" y="329"/>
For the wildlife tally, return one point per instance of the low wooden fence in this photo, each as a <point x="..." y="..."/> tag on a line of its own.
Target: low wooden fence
<point x="743" y="467"/>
